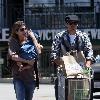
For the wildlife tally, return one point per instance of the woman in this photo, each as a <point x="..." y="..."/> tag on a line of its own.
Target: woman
<point x="23" y="51"/>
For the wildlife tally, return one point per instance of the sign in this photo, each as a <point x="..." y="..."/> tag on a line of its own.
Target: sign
<point x="4" y="35"/>
<point x="48" y="35"/>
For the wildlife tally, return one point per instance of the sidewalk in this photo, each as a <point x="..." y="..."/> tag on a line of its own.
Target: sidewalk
<point x="43" y="80"/>
<point x="45" y="92"/>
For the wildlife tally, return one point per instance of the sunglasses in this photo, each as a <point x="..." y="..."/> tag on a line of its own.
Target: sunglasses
<point x="23" y="29"/>
<point x="73" y="22"/>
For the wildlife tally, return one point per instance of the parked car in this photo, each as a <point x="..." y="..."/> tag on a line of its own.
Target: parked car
<point x="96" y="74"/>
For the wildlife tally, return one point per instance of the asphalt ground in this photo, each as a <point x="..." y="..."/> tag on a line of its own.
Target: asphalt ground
<point x="45" y="92"/>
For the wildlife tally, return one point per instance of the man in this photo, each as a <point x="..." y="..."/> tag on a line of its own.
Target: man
<point x="73" y="41"/>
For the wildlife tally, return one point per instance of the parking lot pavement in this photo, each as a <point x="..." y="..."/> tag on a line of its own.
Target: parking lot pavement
<point x="45" y="92"/>
<point x="7" y="92"/>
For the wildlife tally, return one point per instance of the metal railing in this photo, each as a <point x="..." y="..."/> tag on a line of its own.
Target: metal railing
<point x="44" y="16"/>
<point x="41" y="16"/>
<point x="57" y="20"/>
<point x="52" y="16"/>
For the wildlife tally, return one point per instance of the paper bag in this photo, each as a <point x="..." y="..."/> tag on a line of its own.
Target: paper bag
<point x="73" y="63"/>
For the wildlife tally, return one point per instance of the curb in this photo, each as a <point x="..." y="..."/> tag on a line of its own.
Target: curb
<point x="43" y="80"/>
<point x="6" y="80"/>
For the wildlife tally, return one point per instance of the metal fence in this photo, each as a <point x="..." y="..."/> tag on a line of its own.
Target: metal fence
<point x="47" y="16"/>
<point x="41" y="16"/>
<point x="46" y="68"/>
<point x="4" y="70"/>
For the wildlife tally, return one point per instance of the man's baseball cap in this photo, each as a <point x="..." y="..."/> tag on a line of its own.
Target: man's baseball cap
<point x="71" y="18"/>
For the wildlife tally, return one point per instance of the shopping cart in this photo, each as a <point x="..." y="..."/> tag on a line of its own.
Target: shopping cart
<point x="79" y="89"/>
<point x="75" y="88"/>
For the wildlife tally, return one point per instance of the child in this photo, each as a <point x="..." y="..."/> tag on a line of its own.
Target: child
<point x="29" y="50"/>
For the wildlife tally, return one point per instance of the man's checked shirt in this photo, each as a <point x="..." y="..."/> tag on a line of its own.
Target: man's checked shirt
<point x="82" y="43"/>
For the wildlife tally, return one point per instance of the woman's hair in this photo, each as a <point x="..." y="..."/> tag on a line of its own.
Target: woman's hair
<point x="16" y="27"/>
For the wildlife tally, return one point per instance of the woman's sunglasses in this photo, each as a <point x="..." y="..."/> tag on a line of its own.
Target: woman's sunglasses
<point x="23" y="29"/>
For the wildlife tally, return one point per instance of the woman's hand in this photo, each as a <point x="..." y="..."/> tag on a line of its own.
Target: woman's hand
<point x="15" y="57"/>
<point x="39" y="48"/>
<point x="30" y="33"/>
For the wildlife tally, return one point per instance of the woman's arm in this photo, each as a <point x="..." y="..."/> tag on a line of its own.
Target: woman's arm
<point x="15" y="57"/>
<point x="38" y="45"/>
<point x="13" y="52"/>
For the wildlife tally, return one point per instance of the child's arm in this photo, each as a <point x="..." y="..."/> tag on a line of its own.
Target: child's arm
<point x="21" y="67"/>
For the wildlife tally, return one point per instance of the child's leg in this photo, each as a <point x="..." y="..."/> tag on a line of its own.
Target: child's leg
<point x="27" y="67"/>
<point x="20" y="66"/>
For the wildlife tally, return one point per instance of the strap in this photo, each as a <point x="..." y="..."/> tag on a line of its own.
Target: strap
<point x="68" y="46"/>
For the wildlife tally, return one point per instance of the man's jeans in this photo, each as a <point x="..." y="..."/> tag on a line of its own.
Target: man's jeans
<point x="24" y="91"/>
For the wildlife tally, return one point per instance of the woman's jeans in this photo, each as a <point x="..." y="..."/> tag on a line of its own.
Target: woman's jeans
<point x="24" y="91"/>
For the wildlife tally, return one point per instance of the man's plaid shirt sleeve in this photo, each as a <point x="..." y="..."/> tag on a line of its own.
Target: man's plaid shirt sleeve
<point x="55" y="49"/>
<point x="88" y="51"/>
